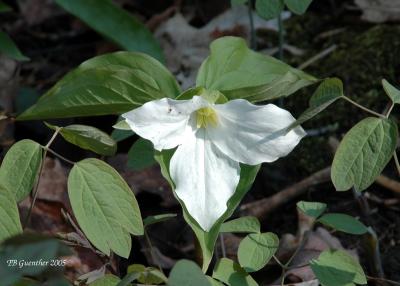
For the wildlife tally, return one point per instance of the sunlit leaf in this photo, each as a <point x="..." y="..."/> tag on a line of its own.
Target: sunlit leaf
<point x="391" y="91"/>
<point x="256" y="250"/>
<point x="312" y="209"/>
<point x="187" y="273"/>
<point x="363" y="153"/>
<point x="337" y="268"/>
<point x="107" y="280"/>
<point x="10" y="224"/>
<point x="147" y="275"/>
<point x="104" y="206"/>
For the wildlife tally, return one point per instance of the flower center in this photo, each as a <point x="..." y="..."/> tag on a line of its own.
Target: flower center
<point x="206" y="116"/>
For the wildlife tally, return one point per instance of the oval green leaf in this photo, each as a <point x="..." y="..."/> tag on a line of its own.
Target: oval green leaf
<point x="246" y="224"/>
<point x="187" y="273"/>
<point x="298" y="6"/>
<point x="115" y="24"/>
<point x="20" y="168"/>
<point x="141" y="155"/>
<point x="104" y="206"/>
<point x="108" y="84"/>
<point x="88" y="138"/>
<point x="232" y="274"/>
<point x="256" y="250"/>
<point x="269" y="9"/>
<point x="10" y="223"/>
<point x="337" y="268"/>
<point x="391" y="91"/>
<point x="363" y="153"/>
<point x="312" y="209"/>
<point x="344" y="223"/>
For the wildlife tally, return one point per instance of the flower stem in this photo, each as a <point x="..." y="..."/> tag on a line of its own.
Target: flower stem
<point x="281" y="36"/>
<point x="36" y="189"/>
<point x="396" y="161"/>
<point x="363" y="107"/>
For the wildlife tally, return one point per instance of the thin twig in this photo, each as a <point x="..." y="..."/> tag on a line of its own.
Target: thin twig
<point x="60" y="156"/>
<point x="36" y="189"/>
<point x="396" y="161"/>
<point x="317" y="57"/>
<point x="363" y="107"/>
<point x="390" y="110"/>
<point x="281" y="36"/>
<point x="383" y="280"/>
<point x="253" y="38"/>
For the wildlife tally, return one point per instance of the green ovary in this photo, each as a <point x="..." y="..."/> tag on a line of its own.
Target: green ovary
<point x="206" y="116"/>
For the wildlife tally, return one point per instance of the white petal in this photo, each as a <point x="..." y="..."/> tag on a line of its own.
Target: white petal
<point x="253" y="134"/>
<point x="164" y="122"/>
<point x="204" y="179"/>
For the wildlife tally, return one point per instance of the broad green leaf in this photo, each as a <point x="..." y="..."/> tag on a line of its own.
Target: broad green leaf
<point x="104" y="206"/>
<point x="9" y="49"/>
<point x="246" y="224"/>
<point x="130" y="277"/>
<point x="232" y="274"/>
<point x="238" y="2"/>
<point x="29" y="248"/>
<point x="312" y="209"/>
<point x="88" y="138"/>
<point x="107" y="280"/>
<point x="298" y="6"/>
<point x="147" y="275"/>
<point x="4" y="7"/>
<point x="20" y="168"/>
<point x="337" y="268"/>
<point x="391" y="91"/>
<point x="187" y="273"/>
<point x="157" y="218"/>
<point x="10" y="224"/>
<point x="115" y="24"/>
<point x="363" y="153"/>
<point x="122" y="125"/>
<point x="232" y="65"/>
<point x="269" y="9"/>
<point x="256" y="250"/>
<point x="207" y="240"/>
<point x="141" y="155"/>
<point x="327" y="93"/>
<point x="109" y="84"/>
<point x="343" y="222"/>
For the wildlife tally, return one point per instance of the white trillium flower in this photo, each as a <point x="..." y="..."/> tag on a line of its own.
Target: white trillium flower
<point x="212" y="140"/>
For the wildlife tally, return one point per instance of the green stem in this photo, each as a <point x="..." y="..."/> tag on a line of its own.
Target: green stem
<point x="281" y="36"/>
<point x="36" y="189"/>
<point x="59" y="156"/>
<point x="150" y="245"/>
<point x="363" y="107"/>
<point x="390" y="110"/>
<point x="253" y="38"/>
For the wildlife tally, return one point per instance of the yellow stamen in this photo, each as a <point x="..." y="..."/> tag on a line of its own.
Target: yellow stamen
<point x="206" y="116"/>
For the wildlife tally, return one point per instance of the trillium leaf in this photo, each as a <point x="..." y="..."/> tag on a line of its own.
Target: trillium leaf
<point x="269" y="9"/>
<point x="337" y="268"/>
<point x="108" y="84"/>
<point x="327" y="93"/>
<point x="232" y="65"/>
<point x="115" y="24"/>
<point x="187" y="273"/>
<point x="107" y="280"/>
<point x="88" y="138"/>
<point x="232" y="274"/>
<point x="246" y="224"/>
<point x="104" y="206"/>
<point x="391" y="91"/>
<point x="256" y="250"/>
<point x="153" y="219"/>
<point x="10" y="49"/>
<point x="363" y="153"/>
<point x="141" y="155"/>
<point x="344" y="223"/>
<point x="207" y="240"/>
<point x="10" y="224"/>
<point x="20" y="168"/>
<point x="298" y="6"/>
<point x="312" y="209"/>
